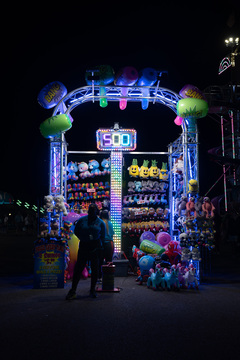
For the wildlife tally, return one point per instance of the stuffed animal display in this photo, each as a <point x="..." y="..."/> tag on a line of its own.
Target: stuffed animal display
<point x="88" y="170"/>
<point x="146" y="172"/>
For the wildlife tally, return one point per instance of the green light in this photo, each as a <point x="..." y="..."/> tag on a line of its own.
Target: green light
<point x="103" y="101"/>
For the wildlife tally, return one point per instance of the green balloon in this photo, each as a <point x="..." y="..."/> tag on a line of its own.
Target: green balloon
<point x="191" y="108"/>
<point x="55" y="125"/>
<point x="151" y="248"/>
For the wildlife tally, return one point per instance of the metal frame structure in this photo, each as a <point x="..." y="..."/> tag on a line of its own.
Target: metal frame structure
<point x="186" y="144"/>
<point x="114" y="93"/>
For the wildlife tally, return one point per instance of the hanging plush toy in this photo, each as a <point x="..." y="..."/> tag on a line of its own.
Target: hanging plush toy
<point x="154" y="170"/>
<point x="193" y="187"/>
<point x="144" y="170"/>
<point x="72" y="169"/>
<point x="178" y="165"/>
<point x="208" y="207"/>
<point x="106" y="166"/>
<point x="190" y="206"/>
<point x="83" y="169"/>
<point x="94" y="167"/>
<point x="163" y="172"/>
<point x="134" y="169"/>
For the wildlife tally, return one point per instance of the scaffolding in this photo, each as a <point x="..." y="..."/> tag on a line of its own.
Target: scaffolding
<point x="224" y="110"/>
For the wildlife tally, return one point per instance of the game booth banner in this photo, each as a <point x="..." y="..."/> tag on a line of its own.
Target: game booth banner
<point x="49" y="264"/>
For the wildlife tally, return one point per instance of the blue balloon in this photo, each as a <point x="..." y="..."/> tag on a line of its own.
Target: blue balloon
<point x="51" y="94"/>
<point x="147" y="77"/>
<point x="146" y="262"/>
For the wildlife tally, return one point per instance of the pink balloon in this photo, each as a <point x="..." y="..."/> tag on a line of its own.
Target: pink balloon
<point x="178" y="120"/>
<point x="163" y="238"/>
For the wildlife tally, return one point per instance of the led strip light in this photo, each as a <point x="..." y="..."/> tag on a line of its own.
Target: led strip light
<point x="116" y="197"/>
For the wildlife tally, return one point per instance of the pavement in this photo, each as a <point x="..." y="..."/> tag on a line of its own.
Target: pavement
<point x="136" y="323"/>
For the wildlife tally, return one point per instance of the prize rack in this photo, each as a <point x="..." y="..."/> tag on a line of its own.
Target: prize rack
<point x="119" y="141"/>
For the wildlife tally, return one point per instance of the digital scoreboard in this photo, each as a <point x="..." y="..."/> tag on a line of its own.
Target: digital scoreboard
<point x="116" y="140"/>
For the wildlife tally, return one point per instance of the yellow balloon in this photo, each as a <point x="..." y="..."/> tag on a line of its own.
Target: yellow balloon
<point x="73" y="245"/>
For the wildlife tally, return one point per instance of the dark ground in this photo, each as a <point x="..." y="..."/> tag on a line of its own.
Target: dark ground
<point x="136" y="323"/>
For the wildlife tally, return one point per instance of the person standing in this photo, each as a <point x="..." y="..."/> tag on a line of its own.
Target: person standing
<point x="90" y="230"/>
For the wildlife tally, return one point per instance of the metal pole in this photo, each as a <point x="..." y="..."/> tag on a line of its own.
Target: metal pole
<point x="224" y="168"/>
<point x="233" y="145"/>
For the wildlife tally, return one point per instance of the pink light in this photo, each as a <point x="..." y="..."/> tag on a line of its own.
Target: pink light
<point x="178" y="120"/>
<point x="123" y="102"/>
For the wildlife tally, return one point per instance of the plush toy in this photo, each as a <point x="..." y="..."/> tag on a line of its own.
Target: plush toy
<point x="190" y="277"/>
<point x="163" y="175"/>
<point x="106" y="166"/>
<point x="134" y="169"/>
<point x="173" y="253"/>
<point x="144" y="170"/>
<point x="183" y="238"/>
<point x="208" y="207"/>
<point x="138" y="186"/>
<point x="178" y="165"/>
<point x="193" y="187"/>
<point x="59" y="204"/>
<point x="131" y="187"/>
<point x="171" y="278"/>
<point x="83" y="169"/>
<point x="137" y="253"/>
<point x="198" y="208"/>
<point x="190" y="206"/>
<point x="145" y="263"/>
<point x="156" y="279"/>
<point x="94" y="167"/>
<point x="44" y="228"/>
<point x="72" y="169"/>
<point x="181" y="274"/>
<point x="186" y="255"/>
<point x="154" y="170"/>
<point x="48" y="203"/>
<point x="181" y="204"/>
<point x="54" y="228"/>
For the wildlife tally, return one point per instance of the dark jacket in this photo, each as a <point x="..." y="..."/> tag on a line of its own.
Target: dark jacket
<point x="95" y="231"/>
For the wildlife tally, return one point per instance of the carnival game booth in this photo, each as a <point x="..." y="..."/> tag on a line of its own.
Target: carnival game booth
<point x="132" y="183"/>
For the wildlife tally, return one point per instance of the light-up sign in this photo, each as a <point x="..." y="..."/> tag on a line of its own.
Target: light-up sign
<point x="121" y="139"/>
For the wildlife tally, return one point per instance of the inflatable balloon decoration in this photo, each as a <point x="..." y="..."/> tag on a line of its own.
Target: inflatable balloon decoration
<point x="190" y="91"/>
<point x="125" y="77"/>
<point x="147" y="77"/>
<point x="51" y="94"/>
<point x="193" y="106"/>
<point x="103" y="75"/>
<point x="55" y="125"/>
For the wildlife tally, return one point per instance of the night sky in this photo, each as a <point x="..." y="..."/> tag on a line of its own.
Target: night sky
<point x="61" y="44"/>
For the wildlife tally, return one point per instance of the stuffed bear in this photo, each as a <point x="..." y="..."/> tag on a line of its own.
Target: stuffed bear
<point x="48" y="203"/>
<point x="181" y="204"/>
<point x="59" y="204"/>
